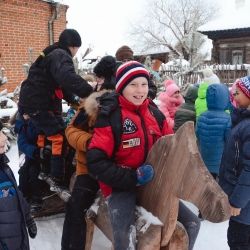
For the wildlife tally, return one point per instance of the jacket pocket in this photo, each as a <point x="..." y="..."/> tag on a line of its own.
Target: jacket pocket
<point x="231" y="178"/>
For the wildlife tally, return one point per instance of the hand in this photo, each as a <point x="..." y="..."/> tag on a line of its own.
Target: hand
<point x="235" y="211"/>
<point x="31" y="225"/>
<point x="45" y="153"/>
<point x="145" y="174"/>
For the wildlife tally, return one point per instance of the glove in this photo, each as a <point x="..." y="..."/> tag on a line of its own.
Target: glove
<point x="145" y="174"/>
<point x="31" y="225"/>
<point x="45" y="153"/>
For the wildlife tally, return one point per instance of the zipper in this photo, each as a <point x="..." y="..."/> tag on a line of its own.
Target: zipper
<point x="237" y="153"/>
<point x="145" y="135"/>
<point x="4" y="244"/>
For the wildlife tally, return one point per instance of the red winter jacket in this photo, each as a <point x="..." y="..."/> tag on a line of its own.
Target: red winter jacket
<point x="140" y="132"/>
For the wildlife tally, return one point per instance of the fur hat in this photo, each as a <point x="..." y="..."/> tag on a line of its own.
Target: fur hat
<point x="244" y="85"/>
<point x="168" y="82"/>
<point x="127" y="72"/>
<point x="171" y="89"/>
<point x="106" y="67"/>
<point x="124" y="52"/>
<point x="70" y="37"/>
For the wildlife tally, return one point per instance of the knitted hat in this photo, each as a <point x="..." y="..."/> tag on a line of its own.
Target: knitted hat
<point x="127" y="72"/>
<point x="124" y="52"/>
<point x="106" y="67"/>
<point x="171" y="89"/>
<point x="168" y="82"/>
<point x="70" y="37"/>
<point x="244" y="85"/>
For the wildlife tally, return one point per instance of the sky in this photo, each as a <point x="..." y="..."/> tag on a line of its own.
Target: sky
<point x="104" y="24"/>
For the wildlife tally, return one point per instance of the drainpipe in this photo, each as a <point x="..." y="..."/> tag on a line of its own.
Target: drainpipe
<point x="56" y="6"/>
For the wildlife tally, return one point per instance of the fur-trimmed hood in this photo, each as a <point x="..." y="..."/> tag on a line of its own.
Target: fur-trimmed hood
<point x="92" y="103"/>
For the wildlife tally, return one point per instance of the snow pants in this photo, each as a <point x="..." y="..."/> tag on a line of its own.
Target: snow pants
<point x="74" y="227"/>
<point x="52" y="126"/>
<point x="238" y="236"/>
<point x="28" y="179"/>
<point x="121" y="210"/>
<point x="191" y="223"/>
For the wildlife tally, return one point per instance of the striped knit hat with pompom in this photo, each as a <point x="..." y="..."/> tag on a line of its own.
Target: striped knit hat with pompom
<point x="127" y="72"/>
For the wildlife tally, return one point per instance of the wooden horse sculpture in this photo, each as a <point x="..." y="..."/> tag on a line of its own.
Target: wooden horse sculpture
<point x="180" y="173"/>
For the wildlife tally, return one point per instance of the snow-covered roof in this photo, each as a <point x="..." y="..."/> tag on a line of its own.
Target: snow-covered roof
<point x="232" y="19"/>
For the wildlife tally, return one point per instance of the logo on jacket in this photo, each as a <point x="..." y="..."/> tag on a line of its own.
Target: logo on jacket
<point x="131" y="143"/>
<point x="129" y="127"/>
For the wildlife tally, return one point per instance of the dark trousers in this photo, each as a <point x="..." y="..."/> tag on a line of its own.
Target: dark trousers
<point x="52" y="126"/>
<point x="28" y="179"/>
<point x="121" y="210"/>
<point x="238" y="236"/>
<point x="191" y="223"/>
<point x="74" y="227"/>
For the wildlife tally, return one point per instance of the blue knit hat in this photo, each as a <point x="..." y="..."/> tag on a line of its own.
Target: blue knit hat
<point x="127" y="72"/>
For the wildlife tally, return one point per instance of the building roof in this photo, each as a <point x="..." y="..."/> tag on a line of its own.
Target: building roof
<point x="234" y="22"/>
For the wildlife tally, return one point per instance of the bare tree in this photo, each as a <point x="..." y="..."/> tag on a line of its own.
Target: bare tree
<point x="166" y="23"/>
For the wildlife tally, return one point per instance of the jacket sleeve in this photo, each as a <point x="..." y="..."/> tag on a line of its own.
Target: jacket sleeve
<point x="99" y="158"/>
<point x="228" y="127"/>
<point x="76" y="136"/>
<point x="241" y="193"/>
<point x="23" y="141"/>
<point x="61" y="67"/>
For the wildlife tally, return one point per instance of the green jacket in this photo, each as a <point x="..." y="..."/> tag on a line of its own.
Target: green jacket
<point x="186" y="112"/>
<point x="201" y="102"/>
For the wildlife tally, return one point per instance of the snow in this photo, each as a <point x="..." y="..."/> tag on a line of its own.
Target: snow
<point x="232" y="18"/>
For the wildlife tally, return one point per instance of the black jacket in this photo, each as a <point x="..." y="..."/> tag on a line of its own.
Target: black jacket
<point x="51" y="80"/>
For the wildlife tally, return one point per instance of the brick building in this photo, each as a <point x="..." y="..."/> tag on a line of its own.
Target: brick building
<point x="25" y="26"/>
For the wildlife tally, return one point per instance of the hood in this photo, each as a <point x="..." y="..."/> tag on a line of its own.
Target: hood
<point x="92" y="103"/>
<point x="218" y="97"/>
<point x="191" y="94"/>
<point x="202" y="90"/>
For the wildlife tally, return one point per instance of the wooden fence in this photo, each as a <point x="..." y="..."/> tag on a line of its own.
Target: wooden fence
<point x="227" y="73"/>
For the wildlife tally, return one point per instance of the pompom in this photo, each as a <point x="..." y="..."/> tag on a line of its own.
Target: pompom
<point x="168" y="82"/>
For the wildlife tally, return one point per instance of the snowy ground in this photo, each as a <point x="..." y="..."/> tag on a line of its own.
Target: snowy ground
<point x="211" y="236"/>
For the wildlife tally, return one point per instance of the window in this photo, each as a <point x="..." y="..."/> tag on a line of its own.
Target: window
<point x="237" y="56"/>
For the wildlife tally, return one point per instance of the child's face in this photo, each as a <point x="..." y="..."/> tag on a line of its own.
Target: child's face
<point x="241" y="100"/>
<point x="136" y="91"/>
<point x="100" y="81"/>
<point x="176" y="94"/>
<point x="3" y="140"/>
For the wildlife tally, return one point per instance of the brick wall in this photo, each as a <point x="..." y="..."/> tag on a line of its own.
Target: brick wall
<point x="24" y="25"/>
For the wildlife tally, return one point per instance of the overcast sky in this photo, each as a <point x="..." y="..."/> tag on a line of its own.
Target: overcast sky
<point x="103" y="24"/>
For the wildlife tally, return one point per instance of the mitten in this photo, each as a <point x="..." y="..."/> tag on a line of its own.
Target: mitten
<point x="46" y="152"/>
<point x="31" y="225"/>
<point x="145" y="174"/>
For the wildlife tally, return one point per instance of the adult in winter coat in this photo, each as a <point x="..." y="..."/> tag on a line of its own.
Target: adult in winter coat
<point x="213" y="127"/>
<point x="235" y="169"/>
<point x="29" y="171"/>
<point x="201" y="101"/>
<point x="14" y="209"/>
<point x="186" y="112"/>
<point x="126" y="128"/>
<point x="126" y="54"/>
<point x="78" y="133"/>
<point x="171" y="100"/>
<point x="51" y="78"/>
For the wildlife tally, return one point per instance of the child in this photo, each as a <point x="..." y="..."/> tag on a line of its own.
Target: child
<point x="126" y="128"/>
<point x="29" y="172"/>
<point x="186" y="112"/>
<point x="78" y="134"/>
<point x="213" y="127"/>
<point x="171" y="99"/>
<point x="235" y="169"/>
<point x="52" y="78"/>
<point x="201" y="102"/>
<point x="14" y="209"/>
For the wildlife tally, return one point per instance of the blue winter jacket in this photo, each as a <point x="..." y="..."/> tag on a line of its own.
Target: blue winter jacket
<point x="235" y="165"/>
<point x="27" y="136"/>
<point x="213" y="126"/>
